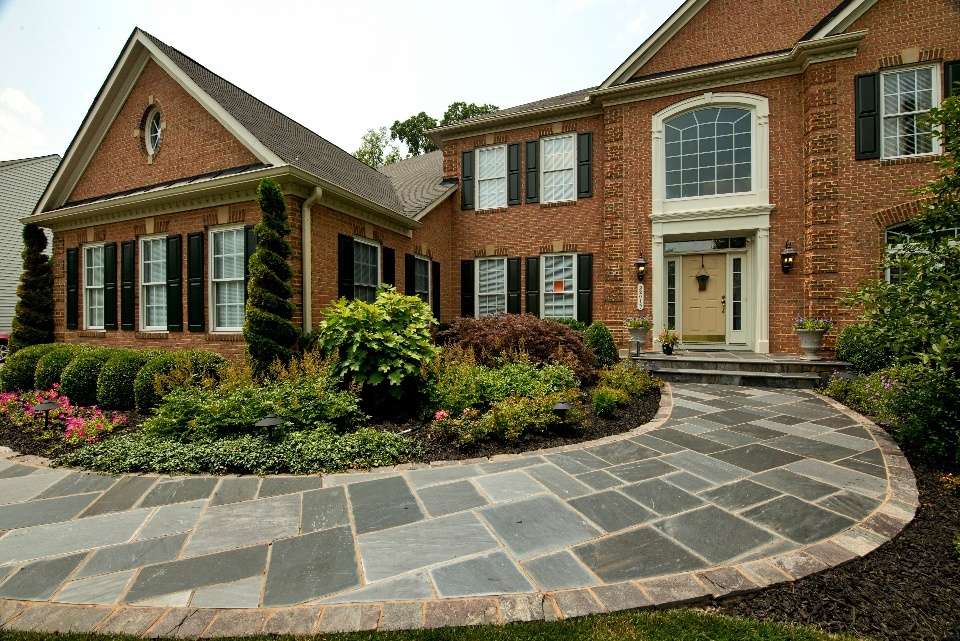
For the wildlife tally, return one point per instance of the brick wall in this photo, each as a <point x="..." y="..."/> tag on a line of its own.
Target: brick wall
<point x="193" y="142"/>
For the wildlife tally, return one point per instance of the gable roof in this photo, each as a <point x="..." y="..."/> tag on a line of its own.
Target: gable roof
<point x="419" y="182"/>
<point x="274" y="138"/>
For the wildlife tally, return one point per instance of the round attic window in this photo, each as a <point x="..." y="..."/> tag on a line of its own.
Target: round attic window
<point x="153" y="132"/>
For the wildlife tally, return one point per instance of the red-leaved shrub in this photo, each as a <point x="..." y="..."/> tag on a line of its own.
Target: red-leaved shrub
<point x="494" y="338"/>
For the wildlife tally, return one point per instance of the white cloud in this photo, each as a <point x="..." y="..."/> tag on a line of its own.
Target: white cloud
<point x="22" y="128"/>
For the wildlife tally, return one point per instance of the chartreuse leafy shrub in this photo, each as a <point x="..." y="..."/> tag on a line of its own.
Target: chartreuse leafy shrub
<point x="268" y="327"/>
<point x="304" y="452"/>
<point x="50" y="366"/>
<point x="17" y="374"/>
<point x="305" y="394"/>
<point x="600" y="341"/>
<point x="381" y="344"/>
<point x="606" y="400"/>
<point x="169" y="370"/>
<point x="78" y="382"/>
<point x="456" y="382"/>
<point x="572" y="323"/>
<point x="495" y="338"/>
<point x="861" y="345"/>
<point x="117" y="377"/>
<point x="618" y="385"/>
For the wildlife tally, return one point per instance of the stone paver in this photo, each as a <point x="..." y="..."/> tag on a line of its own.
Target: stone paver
<point x="728" y="490"/>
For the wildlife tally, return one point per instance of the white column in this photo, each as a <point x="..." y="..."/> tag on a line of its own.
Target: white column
<point x="762" y="292"/>
<point x="658" y="274"/>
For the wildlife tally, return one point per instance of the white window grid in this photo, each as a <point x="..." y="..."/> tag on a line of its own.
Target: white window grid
<point x="93" y="293"/>
<point x="366" y="269"/>
<point x="153" y="135"/>
<point x="421" y="278"/>
<point x="708" y="152"/>
<point x="906" y="96"/>
<point x="153" y="283"/>
<point x="558" y="286"/>
<point x="491" y="286"/>
<point x="491" y="177"/>
<point x="227" y="266"/>
<point x="558" y="168"/>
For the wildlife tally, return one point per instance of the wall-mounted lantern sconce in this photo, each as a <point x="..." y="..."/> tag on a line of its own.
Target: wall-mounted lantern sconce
<point x="787" y="257"/>
<point x="641" y="266"/>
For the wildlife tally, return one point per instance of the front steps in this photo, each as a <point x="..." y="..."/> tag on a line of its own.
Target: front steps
<point x="744" y="368"/>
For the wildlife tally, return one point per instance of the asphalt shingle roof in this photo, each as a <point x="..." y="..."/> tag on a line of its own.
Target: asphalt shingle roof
<point x="418" y="181"/>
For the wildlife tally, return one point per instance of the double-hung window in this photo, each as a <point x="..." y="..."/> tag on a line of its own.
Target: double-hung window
<point x="908" y="94"/>
<point x="366" y="270"/>
<point x="227" y="295"/>
<point x="559" y="286"/>
<point x="153" y="284"/>
<point x="491" y="286"/>
<point x="421" y="278"/>
<point x="93" y="296"/>
<point x="492" y="177"/>
<point x="559" y="168"/>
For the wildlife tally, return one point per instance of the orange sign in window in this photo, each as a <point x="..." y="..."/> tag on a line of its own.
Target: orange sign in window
<point x="558" y="287"/>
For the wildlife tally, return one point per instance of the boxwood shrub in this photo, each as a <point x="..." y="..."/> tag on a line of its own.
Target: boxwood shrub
<point x="18" y="372"/>
<point x="115" y="383"/>
<point x="50" y="367"/>
<point x="599" y="339"/>
<point x="167" y="370"/>
<point x="78" y="381"/>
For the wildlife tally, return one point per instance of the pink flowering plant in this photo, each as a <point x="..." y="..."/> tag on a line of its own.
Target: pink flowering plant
<point x="76" y="424"/>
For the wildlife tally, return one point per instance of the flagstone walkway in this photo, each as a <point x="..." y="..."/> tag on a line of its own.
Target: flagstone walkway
<point x="728" y="490"/>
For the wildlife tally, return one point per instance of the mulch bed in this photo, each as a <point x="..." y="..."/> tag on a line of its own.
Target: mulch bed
<point x="908" y="589"/>
<point x="49" y="443"/>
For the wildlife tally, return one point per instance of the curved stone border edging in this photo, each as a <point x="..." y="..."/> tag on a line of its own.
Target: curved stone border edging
<point x="895" y="511"/>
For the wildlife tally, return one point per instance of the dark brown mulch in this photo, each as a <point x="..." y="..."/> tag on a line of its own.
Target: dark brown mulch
<point x="907" y="590"/>
<point x="638" y="412"/>
<point x="48" y="443"/>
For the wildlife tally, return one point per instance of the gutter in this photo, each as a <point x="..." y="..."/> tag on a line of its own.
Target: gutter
<point x="306" y="257"/>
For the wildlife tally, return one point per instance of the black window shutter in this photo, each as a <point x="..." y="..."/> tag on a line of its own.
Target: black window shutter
<point x="533" y="171"/>
<point x="466" y="180"/>
<point x="73" y="282"/>
<point x="175" y="283"/>
<point x="867" y="133"/>
<point x="585" y="165"/>
<point x="533" y="285"/>
<point x="128" y="275"/>
<point x="585" y="288"/>
<point x="344" y="266"/>
<point x="435" y="289"/>
<point x="951" y="74"/>
<point x="513" y="174"/>
<point x="110" y="286"/>
<point x="467" y="307"/>
<point x="513" y="285"/>
<point x="249" y="246"/>
<point x="388" y="275"/>
<point x="195" y="267"/>
<point x="409" y="274"/>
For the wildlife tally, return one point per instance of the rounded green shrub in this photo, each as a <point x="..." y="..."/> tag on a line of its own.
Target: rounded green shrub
<point x="599" y="339"/>
<point x="115" y="383"/>
<point x="78" y="382"/>
<point x="167" y="370"/>
<point x="862" y="346"/>
<point x="572" y="323"/>
<point x="18" y="372"/>
<point x="50" y="367"/>
<point x="606" y="400"/>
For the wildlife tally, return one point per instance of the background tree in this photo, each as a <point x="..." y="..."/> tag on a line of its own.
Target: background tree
<point x="413" y="131"/>
<point x="376" y="150"/>
<point x="268" y="328"/>
<point x="33" y="318"/>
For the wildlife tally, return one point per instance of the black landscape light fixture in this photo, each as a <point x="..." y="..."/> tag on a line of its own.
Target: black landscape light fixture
<point x="641" y="266"/>
<point x="788" y="256"/>
<point x="45" y="407"/>
<point x="561" y="409"/>
<point x="269" y="422"/>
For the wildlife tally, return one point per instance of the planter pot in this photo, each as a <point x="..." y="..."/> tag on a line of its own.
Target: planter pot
<point x="810" y="342"/>
<point x="638" y="334"/>
<point x="667" y="349"/>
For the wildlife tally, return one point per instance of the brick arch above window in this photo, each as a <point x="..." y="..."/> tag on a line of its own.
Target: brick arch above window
<point x="899" y="213"/>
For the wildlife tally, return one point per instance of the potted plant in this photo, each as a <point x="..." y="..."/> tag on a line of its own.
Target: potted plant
<point x="811" y="331"/>
<point x="668" y="340"/>
<point x="638" y="328"/>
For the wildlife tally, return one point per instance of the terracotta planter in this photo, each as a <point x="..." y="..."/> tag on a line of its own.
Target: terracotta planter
<point x="811" y="340"/>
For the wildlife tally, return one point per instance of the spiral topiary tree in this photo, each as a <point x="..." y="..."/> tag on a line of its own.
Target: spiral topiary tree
<point x="33" y="317"/>
<point x="268" y="329"/>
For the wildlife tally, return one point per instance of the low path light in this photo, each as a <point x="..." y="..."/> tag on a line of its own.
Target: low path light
<point x="269" y="422"/>
<point x="45" y="407"/>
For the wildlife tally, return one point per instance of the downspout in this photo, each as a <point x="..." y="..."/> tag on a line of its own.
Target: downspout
<point x="306" y="271"/>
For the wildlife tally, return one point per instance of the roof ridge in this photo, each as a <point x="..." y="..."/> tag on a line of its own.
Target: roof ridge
<point x="17" y="161"/>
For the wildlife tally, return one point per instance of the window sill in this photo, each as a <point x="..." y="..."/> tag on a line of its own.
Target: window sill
<point x="152" y="334"/>
<point x="226" y="337"/>
<point x="495" y="210"/>
<point x="910" y="160"/>
<point x="92" y="333"/>
<point x="560" y="203"/>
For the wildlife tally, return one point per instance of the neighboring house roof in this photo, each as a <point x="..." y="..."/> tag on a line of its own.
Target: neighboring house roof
<point x="419" y="182"/>
<point x="21" y="183"/>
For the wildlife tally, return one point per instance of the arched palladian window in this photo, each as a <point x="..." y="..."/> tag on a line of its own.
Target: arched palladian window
<point x="708" y="152"/>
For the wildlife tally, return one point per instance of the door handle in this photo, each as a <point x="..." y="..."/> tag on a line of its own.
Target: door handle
<point x="723" y="304"/>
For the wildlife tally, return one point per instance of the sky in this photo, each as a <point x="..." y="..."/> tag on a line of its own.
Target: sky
<point x="338" y="68"/>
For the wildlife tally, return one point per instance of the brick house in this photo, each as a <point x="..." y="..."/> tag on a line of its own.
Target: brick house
<point x="736" y="131"/>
